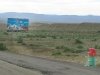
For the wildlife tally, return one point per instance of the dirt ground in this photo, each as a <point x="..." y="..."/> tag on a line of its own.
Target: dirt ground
<point x="9" y="69"/>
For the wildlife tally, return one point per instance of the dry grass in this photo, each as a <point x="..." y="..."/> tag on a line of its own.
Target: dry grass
<point x="41" y="40"/>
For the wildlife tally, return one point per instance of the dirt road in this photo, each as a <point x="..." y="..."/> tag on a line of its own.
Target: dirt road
<point x="46" y="66"/>
<point x="10" y="69"/>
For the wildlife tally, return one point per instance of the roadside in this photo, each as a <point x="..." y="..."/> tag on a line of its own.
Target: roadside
<point x="10" y="69"/>
<point x="48" y="67"/>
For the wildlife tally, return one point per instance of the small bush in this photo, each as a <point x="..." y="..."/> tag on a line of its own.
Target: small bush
<point x="61" y="37"/>
<point x="97" y="47"/>
<point x="80" y="47"/>
<point x="60" y="47"/>
<point x="66" y="49"/>
<point x="2" y="47"/>
<point x="56" y="53"/>
<point x="75" y="55"/>
<point x="94" y="39"/>
<point x="5" y="33"/>
<point x="40" y="36"/>
<point x="20" y="40"/>
<point x="35" y="46"/>
<point x="68" y="55"/>
<point x="78" y="51"/>
<point x="29" y="35"/>
<point x="24" y="43"/>
<point x="78" y="41"/>
<point x="54" y="37"/>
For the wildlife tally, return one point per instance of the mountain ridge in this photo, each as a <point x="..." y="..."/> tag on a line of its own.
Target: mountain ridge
<point x="44" y="18"/>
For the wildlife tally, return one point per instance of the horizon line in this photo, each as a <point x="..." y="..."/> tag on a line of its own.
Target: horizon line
<point x="53" y="14"/>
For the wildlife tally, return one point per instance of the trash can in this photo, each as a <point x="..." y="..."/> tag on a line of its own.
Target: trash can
<point x="91" y="57"/>
<point x="91" y="61"/>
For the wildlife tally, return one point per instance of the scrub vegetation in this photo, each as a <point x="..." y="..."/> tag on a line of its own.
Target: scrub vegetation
<point x="61" y="41"/>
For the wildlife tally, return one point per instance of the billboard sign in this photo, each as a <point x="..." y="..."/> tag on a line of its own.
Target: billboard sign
<point x="17" y="24"/>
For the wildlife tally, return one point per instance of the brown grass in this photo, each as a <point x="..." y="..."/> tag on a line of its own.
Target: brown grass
<point x="65" y="36"/>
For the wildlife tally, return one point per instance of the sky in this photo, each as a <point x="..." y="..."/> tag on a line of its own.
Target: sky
<point x="56" y="7"/>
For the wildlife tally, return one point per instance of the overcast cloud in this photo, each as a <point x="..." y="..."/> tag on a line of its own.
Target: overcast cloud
<point x="60" y="7"/>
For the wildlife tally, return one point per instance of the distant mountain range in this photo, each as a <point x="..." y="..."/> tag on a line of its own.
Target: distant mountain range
<point x="43" y="18"/>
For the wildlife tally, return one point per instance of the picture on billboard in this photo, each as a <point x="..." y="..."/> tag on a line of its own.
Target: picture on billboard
<point x="17" y="24"/>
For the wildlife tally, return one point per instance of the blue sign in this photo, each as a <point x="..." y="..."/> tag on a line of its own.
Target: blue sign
<point x="17" y="24"/>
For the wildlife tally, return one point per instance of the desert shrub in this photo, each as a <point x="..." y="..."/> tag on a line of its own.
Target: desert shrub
<point x="54" y="37"/>
<point x="74" y="55"/>
<point x="59" y="47"/>
<point x="42" y="36"/>
<point x="94" y="39"/>
<point x="80" y="47"/>
<point x="24" y="43"/>
<point x="77" y="51"/>
<point x="98" y="31"/>
<point x="56" y="53"/>
<point x="67" y="49"/>
<point x="61" y="37"/>
<point x="3" y="47"/>
<point x="35" y="46"/>
<point x="97" y="46"/>
<point x="68" y="55"/>
<point x="5" y="33"/>
<point x="29" y="35"/>
<point x="78" y="41"/>
<point x="19" y="39"/>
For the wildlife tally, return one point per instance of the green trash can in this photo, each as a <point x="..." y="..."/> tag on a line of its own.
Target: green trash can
<point x="91" y="61"/>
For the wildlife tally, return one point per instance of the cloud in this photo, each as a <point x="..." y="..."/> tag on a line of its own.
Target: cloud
<point x="61" y="7"/>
